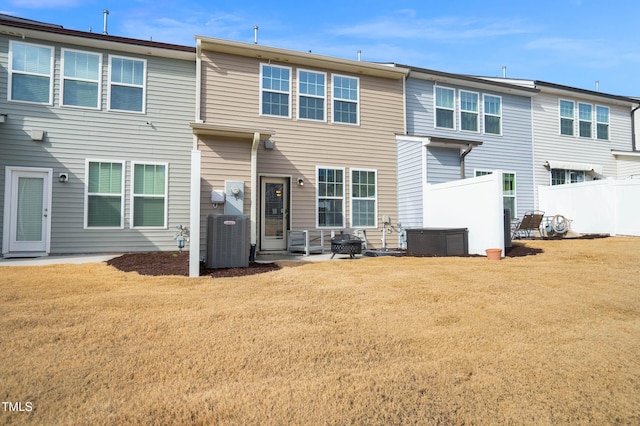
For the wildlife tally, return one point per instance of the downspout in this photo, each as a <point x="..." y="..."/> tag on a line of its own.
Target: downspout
<point x="254" y="195"/>
<point x="196" y="166"/>
<point x="634" y="146"/>
<point x="464" y="154"/>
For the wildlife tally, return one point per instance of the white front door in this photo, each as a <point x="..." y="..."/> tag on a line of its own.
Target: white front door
<point x="27" y="211"/>
<point x="274" y="218"/>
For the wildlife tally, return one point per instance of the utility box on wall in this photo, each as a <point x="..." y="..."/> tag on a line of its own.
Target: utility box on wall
<point x="235" y="197"/>
<point x="228" y="241"/>
<point x="437" y="242"/>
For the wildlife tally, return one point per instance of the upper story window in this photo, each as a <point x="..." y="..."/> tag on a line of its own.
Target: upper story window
<point x="81" y="79"/>
<point x="567" y="115"/>
<point x="469" y="111"/>
<point x="311" y="95"/>
<point x="346" y="99"/>
<point x="275" y="90"/>
<point x="602" y="122"/>
<point x="445" y="106"/>
<point x="127" y="84"/>
<point x="149" y="195"/>
<point x="585" y="120"/>
<point x="492" y="114"/>
<point x="30" y="73"/>
<point x="104" y="203"/>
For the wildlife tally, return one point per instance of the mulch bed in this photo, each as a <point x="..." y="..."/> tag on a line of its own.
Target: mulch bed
<point x="173" y="263"/>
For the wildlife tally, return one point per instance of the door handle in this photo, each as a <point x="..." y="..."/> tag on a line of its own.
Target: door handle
<point x="45" y="212"/>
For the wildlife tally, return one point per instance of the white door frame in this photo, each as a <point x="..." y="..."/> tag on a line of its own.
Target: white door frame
<point x="9" y="246"/>
<point x="274" y="243"/>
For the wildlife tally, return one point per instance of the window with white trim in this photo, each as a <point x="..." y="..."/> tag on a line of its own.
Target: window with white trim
<point x="312" y="95"/>
<point x="562" y="176"/>
<point x="346" y="99"/>
<point x="149" y="194"/>
<point x="492" y="114"/>
<point x="585" y="120"/>
<point x="602" y="122"/>
<point x="364" y="198"/>
<point x="445" y="107"/>
<point x="104" y="203"/>
<point x="567" y="117"/>
<point x="30" y="73"/>
<point x="508" y="189"/>
<point x="469" y="111"/>
<point x="80" y="79"/>
<point x="330" y="198"/>
<point x="275" y="90"/>
<point x="127" y="84"/>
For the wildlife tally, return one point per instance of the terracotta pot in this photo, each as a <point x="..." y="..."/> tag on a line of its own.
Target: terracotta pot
<point x="494" y="253"/>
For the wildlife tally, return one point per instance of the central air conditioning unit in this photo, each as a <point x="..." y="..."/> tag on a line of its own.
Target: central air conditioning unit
<point x="228" y="241"/>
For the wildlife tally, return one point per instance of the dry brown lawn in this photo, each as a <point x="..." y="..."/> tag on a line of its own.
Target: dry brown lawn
<point x="546" y="339"/>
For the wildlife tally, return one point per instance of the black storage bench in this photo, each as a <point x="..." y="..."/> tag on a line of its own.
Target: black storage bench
<point x="437" y="242"/>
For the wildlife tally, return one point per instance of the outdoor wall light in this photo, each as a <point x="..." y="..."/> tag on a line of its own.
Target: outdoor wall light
<point x="269" y="144"/>
<point x="37" y="135"/>
<point x="63" y="177"/>
<point x="300" y="182"/>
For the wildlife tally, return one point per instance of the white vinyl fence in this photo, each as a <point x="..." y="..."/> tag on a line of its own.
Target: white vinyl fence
<point x="596" y="207"/>
<point x="475" y="204"/>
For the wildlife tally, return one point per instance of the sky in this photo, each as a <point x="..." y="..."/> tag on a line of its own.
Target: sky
<point x="569" y="42"/>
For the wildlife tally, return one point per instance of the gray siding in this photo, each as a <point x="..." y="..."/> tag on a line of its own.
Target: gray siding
<point x="410" y="196"/>
<point x="512" y="151"/>
<point x="74" y="135"/>
<point x="443" y="165"/>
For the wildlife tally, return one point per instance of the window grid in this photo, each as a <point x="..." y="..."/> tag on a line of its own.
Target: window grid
<point x="30" y="73"/>
<point x="492" y="114"/>
<point x="346" y="99"/>
<point x="602" y="122"/>
<point x="275" y="90"/>
<point x="149" y="200"/>
<point x="104" y="204"/>
<point x="585" y="120"/>
<point x="81" y="79"/>
<point x="445" y="107"/>
<point x="330" y="196"/>
<point x="311" y="95"/>
<point x="127" y="84"/>
<point x="567" y="117"/>
<point x="469" y="111"/>
<point x="364" y="198"/>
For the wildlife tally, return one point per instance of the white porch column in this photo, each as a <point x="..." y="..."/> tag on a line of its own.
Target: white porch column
<point x="194" y="215"/>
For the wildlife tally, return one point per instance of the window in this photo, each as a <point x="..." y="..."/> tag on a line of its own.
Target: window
<point x="275" y="90"/>
<point x="566" y="117"/>
<point x="585" y="120"/>
<point x="561" y="176"/>
<point x="602" y="122"/>
<point x="330" y="198"/>
<point x="30" y="73"/>
<point x="492" y="114"/>
<point x="149" y="195"/>
<point x="445" y="107"/>
<point x="104" y="206"/>
<point x="508" y="190"/>
<point x="469" y="111"/>
<point x="127" y="84"/>
<point x="81" y="78"/>
<point x="363" y="198"/>
<point x="311" y="95"/>
<point x="346" y="99"/>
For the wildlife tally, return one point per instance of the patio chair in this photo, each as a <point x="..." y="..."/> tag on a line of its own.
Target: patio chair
<point x="529" y="223"/>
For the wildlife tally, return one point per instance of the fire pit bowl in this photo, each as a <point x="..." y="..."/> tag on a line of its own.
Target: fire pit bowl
<point x="346" y="244"/>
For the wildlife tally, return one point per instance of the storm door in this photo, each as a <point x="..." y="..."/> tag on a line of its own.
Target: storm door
<point x="275" y="215"/>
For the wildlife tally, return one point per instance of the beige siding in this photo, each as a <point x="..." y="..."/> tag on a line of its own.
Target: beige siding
<point x="231" y="96"/>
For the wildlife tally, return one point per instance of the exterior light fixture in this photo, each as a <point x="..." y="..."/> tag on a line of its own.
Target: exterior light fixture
<point x="300" y="182"/>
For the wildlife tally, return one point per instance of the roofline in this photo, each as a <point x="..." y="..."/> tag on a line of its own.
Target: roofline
<point x="275" y="54"/>
<point x="592" y="93"/>
<point x="471" y="81"/>
<point x="26" y="29"/>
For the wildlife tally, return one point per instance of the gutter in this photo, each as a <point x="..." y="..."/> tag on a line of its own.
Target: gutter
<point x="462" y="156"/>
<point x="254" y="195"/>
<point x="634" y="146"/>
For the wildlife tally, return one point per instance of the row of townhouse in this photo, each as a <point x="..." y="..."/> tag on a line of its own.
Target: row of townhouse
<point x="108" y="143"/>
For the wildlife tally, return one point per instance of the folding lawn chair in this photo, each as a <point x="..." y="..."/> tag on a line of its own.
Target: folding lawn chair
<point x="530" y="222"/>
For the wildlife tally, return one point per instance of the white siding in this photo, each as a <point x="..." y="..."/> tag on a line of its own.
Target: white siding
<point x="410" y="183"/>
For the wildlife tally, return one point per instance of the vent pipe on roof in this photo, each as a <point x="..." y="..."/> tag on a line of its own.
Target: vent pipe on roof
<point x="359" y="55"/>
<point x="255" y="34"/>
<point x="106" y="14"/>
<point x="504" y="71"/>
<point x="597" y="85"/>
